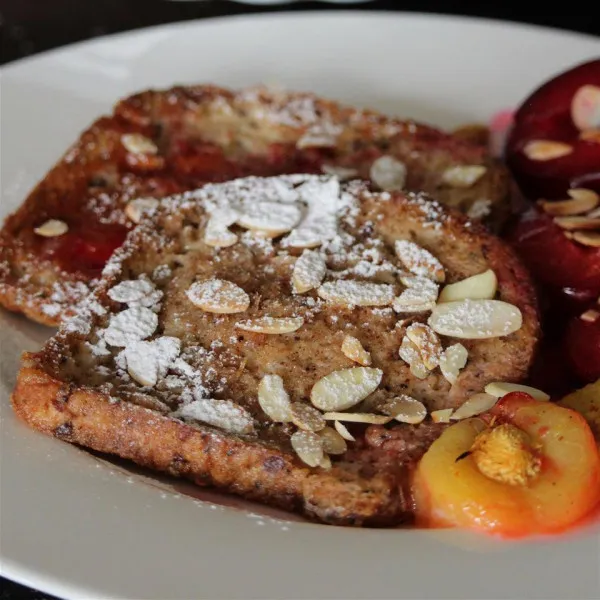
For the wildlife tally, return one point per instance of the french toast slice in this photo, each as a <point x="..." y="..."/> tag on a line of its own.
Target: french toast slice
<point x="158" y="143"/>
<point x="222" y="362"/>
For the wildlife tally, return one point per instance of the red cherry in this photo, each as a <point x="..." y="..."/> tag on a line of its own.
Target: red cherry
<point x="552" y="258"/>
<point x="583" y="348"/>
<point x="546" y="115"/>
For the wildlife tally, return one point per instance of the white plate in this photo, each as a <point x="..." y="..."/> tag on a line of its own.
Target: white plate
<point x="79" y="527"/>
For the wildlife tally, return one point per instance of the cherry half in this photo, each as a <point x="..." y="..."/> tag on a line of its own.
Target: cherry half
<point x="546" y="115"/>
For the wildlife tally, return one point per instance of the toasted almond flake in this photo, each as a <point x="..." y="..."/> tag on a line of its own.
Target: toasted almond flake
<point x="388" y="173"/>
<point x="542" y="150"/>
<point x="131" y="290"/>
<point x="224" y="414"/>
<point x="325" y="462"/>
<point x="575" y="223"/>
<point x="147" y="361"/>
<point x="345" y="388"/>
<point x="590" y="316"/>
<point x="357" y="418"/>
<point x="274" y="400"/>
<point x="587" y="238"/>
<point x="356" y="293"/>
<point x="452" y="360"/>
<point x="419" y="370"/>
<point x="420" y="295"/>
<point x="590" y="135"/>
<point x="139" y="207"/>
<point x="342" y="173"/>
<point x="216" y="233"/>
<point x="463" y="176"/>
<point x="318" y="137"/>
<point x="478" y="287"/>
<point x="409" y="352"/>
<point x="405" y="409"/>
<point x="220" y="238"/>
<point x="343" y="431"/>
<point x="271" y="325"/>
<point x="419" y="261"/>
<point x="475" y="405"/>
<point x="309" y="271"/>
<point x="582" y="201"/>
<point x="308" y="446"/>
<point x="143" y="372"/>
<point x="428" y="343"/>
<point x="585" y="107"/>
<point x="270" y="218"/>
<point x="218" y="296"/>
<point x="138" y="144"/>
<point x="499" y="389"/>
<point x="475" y="319"/>
<point x="52" y="228"/>
<point x="307" y="417"/>
<point x="354" y="350"/>
<point x="441" y="416"/>
<point x="480" y="209"/>
<point x="333" y="442"/>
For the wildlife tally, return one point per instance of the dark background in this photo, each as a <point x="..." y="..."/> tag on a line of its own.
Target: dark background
<point x="31" y="26"/>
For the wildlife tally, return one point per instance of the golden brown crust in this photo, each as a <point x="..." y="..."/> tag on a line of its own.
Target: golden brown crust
<point x="254" y="471"/>
<point x="247" y="132"/>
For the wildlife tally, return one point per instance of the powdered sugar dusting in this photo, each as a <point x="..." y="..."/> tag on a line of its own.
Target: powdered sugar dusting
<point x="133" y="324"/>
<point x="224" y="414"/>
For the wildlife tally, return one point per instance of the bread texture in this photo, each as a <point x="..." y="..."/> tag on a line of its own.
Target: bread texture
<point x="158" y="143"/>
<point x="155" y="372"/>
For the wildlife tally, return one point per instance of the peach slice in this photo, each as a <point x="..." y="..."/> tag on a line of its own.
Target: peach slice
<point x="534" y="469"/>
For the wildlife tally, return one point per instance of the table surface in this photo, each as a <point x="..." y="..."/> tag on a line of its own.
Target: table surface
<point x="31" y="26"/>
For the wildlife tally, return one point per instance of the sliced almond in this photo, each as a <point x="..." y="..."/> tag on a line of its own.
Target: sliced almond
<point x="307" y="417"/>
<point x="452" y="360"/>
<point x="388" y="173"/>
<point x="270" y="218"/>
<point x="218" y="296"/>
<point x="475" y="405"/>
<point x="343" y="431"/>
<point x="590" y="316"/>
<point x="542" y="150"/>
<point x="442" y="416"/>
<point x="333" y="442"/>
<point x="405" y="409"/>
<point x="136" y="143"/>
<point x="345" y="388"/>
<point x="357" y="418"/>
<point x="325" y="462"/>
<point x="475" y="319"/>
<point x="499" y="389"/>
<point x="420" y="295"/>
<point x="308" y="446"/>
<point x="419" y="370"/>
<point x="131" y="290"/>
<point x="130" y="325"/>
<point x="52" y="228"/>
<point x="274" y="400"/>
<point x="582" y="201"/>
<point x="428" y="343"/>
<point x="585" y="107"/>
<point x="419" y="261"/>
<point x="354" y="350"/>
<point x="216" y="233"/>
<point x="478" y="287"/>
<point x="139" y="207"/>
<point x="271" y="325"/>
<point x="587" y="238"/>
<point x="410" y="354"/>
<point x="356" y="293"/>
<point x="577" y="223"/>
<point x="342" y="173"/>
<point x="463" y="176"/>
<point x="309" y="271"/>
